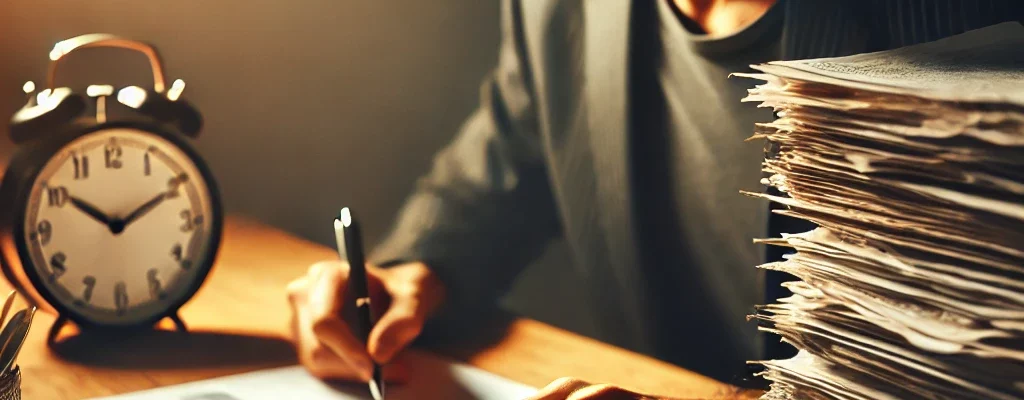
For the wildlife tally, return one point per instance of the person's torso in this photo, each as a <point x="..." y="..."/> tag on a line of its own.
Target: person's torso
<point x="702" y="262"/>
<point x="690" y="163"/>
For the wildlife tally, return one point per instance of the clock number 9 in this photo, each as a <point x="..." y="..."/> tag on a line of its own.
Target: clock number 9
<point x="43" y="233"/>
<point x="191" y="222"/>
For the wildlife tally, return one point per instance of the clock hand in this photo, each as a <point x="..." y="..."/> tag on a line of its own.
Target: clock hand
<point x="139" y="212"/>
<point x="91" y="210"/>
<point x="118" y="226"/>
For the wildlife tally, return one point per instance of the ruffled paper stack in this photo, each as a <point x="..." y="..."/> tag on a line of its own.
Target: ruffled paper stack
<point x="911" y="163"/>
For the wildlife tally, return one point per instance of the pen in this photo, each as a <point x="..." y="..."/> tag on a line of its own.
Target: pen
<point x="350" y="248"/>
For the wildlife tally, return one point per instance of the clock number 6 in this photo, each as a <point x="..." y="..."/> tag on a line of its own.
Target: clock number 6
<point x="191" y="222"/>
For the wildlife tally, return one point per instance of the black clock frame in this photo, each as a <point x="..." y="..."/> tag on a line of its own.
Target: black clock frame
<point x="16" y="186"/>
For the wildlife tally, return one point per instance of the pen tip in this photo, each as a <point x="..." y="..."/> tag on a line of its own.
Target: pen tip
<point x="375" y="391"/>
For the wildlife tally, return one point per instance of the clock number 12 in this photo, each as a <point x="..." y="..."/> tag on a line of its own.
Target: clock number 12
<point x="112" y="156"/>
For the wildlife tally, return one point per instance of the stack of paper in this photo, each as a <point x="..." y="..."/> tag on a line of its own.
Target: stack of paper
<point x="911" y="163"/>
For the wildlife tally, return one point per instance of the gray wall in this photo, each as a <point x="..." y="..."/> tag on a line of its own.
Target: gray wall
<point x="309" y="104"/>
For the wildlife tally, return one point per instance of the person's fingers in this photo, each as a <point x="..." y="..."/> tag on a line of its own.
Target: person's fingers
<point x="330" y="329"/>
<point x="324" y="363"/>
<point x="297" y="290"/>
<point x="315" y="269"/>
<point x="334" y="334"/>
<point x="327" y="346"/>
<point x="559" y="389"/>
<point x="396" y="329"/>
<point x="380" y="298"/>
<point x="327" y="290"/>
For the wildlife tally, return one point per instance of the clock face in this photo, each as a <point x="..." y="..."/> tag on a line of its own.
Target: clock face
<point x="117" y="226"/>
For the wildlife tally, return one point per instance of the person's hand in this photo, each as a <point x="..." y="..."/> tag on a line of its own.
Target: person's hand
<point x="575" y="389"/>
<point x="402" y="298"/>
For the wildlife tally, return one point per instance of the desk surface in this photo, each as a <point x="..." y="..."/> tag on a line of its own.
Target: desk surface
<point x="239" y="319"/>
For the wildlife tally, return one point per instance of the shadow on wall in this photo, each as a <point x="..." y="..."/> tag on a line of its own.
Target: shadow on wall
<point x="307" y="104"/>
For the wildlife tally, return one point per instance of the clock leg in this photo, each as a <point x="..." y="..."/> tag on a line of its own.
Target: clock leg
<point x="178" y="323"/>
<point x="51" y="337"/>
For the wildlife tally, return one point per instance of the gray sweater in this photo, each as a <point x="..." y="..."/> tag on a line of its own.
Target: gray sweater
<point x="553" y="151"/>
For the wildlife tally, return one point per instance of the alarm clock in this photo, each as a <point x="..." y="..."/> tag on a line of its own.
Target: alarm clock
<point x="113" y="223"/>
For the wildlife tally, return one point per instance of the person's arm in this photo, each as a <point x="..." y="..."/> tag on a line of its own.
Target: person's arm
<point x="485" y="210"/>
<point x="481" y="214"/>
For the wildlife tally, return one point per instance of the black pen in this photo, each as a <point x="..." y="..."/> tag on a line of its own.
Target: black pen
<point x="350" y="248"/>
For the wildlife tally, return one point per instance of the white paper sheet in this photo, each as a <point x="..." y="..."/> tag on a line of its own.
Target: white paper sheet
<point x="431" y="377"/>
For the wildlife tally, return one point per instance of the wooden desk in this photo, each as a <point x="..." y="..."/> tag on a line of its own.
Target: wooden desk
<point x="239" y="324"/>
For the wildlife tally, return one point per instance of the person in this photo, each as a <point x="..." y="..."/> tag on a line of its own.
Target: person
<point x="613" y="125"/>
